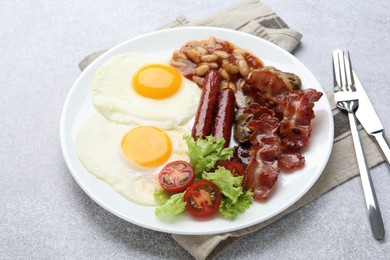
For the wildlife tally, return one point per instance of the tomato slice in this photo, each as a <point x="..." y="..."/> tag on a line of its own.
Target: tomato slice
<point x="234" y="167"/>
<point x="202" y="198"/>
<point x="176" y="176"/>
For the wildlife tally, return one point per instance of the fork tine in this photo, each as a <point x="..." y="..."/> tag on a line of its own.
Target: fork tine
<point x="336" y="70"/>
<point x="343" y="71"/>
<point x="348" y="67"/>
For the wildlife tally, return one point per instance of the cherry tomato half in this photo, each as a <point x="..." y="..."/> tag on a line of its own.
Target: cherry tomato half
<point x="176" y="176"/>
<point x="202" y="198"/>
<point x="234" y="167"/>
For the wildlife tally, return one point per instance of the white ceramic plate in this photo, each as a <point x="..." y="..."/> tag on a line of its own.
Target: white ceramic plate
<point x="289" y="187"/>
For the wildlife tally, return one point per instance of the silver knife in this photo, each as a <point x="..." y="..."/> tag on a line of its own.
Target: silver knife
<point x="369" y="119"/>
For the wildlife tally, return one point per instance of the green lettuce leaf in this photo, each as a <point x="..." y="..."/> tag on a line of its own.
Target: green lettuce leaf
<point x="204" y="153"/>
<point x="161" y="196"/>
<point x="230" y="210"/>
<point x="172" y="207"/>
<point x="234" y="200"/>
<point x="230" y="186"/>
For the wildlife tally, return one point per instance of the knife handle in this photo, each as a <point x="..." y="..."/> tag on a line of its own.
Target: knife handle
<point x="374" y="213"/>
<point x="383" y="144"/>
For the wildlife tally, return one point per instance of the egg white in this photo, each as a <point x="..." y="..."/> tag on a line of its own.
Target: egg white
<point x="114" y="97"/>
<point x="98" y="147"/>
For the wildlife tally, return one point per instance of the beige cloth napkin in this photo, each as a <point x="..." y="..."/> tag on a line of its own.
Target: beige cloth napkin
<point x="253" y="17"/>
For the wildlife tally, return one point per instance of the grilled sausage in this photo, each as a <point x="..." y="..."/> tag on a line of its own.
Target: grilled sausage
<point x="205" y="114"/>
<point x="224" y="117"/>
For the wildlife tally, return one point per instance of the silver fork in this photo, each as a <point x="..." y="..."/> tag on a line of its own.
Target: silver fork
<point x="347" y="99"/>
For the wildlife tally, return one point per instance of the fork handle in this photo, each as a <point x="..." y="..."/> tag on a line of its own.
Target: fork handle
<point x="374" y="213"/>
<point x="384" y="145"/>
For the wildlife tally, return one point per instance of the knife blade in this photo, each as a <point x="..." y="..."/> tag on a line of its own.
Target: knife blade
<point x="369" y="119"/>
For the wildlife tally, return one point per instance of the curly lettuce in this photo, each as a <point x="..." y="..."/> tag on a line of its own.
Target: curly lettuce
<point x="230" y="209"/>
<point x="175" y="205"/>
<point x="205" y="153"/>
<point x="230" y="186"/>
<point x="161" y="196"/>
<point x="235" y="200"/>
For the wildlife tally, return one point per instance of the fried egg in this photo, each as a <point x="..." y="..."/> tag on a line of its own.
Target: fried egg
<point x="138" y="89"/>
<point x="128" y="157"/>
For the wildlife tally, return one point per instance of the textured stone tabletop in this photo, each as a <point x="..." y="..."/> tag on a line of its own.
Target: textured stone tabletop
<point x="44" y="214"/>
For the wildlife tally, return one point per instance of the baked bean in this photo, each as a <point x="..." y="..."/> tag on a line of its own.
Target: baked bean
<point x="224" y="84"/>
<point x="212" y="41"/>
<point x="177" y="63"/>
<point x="243" y="67"/>
<point x="209" y="57"/>
<point x="228" y="84"/>
<point x="222" y="54"/>
<point x="230" y="68"/>
<point x="224" y="74"/>
<point x="198" y="80"/>
<point x="202" y="70"/>
<point x="212" y="65"/>
<point x="178" y="55"/>
<point x="195" y="54"/>
<point x="232" y="86"/>
<point x="238" y="54"/>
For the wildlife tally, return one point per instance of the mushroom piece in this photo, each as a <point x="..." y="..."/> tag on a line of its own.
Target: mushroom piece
<point x="242" y="100"/>
<point x="241" y="130"/>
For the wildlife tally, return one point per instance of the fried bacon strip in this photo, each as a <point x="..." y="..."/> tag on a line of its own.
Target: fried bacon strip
<point x="295" y="127"/>
<point x="262" y="170"/>
<point x="276" y="124"/>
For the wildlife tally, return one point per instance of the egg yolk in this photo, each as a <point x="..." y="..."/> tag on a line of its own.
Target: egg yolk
<point x="156" y="81"/>
<point x="147" y="146"/>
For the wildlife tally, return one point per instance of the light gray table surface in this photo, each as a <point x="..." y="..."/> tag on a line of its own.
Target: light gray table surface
<point x="44" y="214"/>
